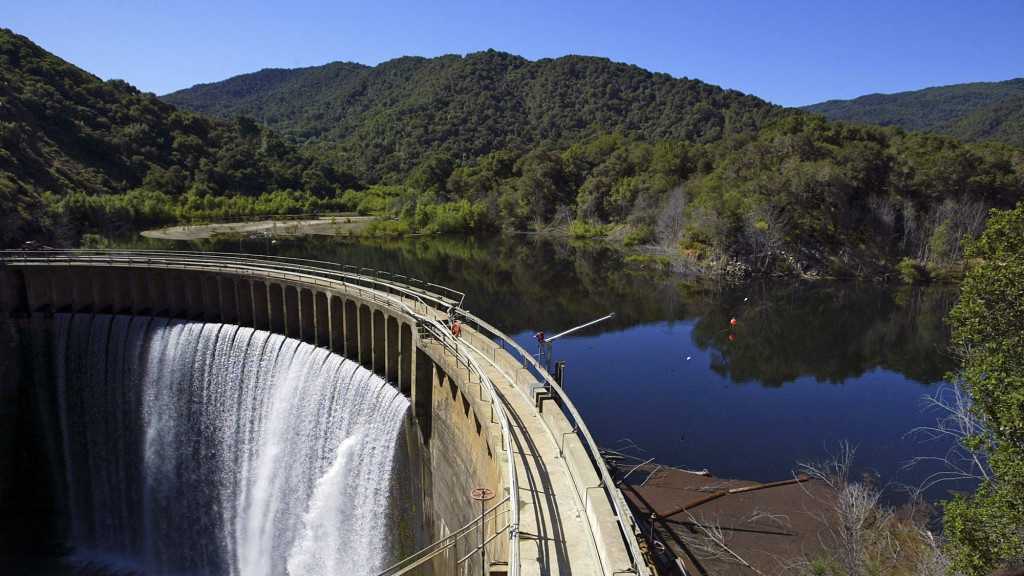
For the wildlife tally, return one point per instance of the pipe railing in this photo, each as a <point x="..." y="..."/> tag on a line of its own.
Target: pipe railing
<point x="441" y="332"/>
<point x="451" y="542"/>
<point x="624" y="517"/>
<point x="443" y="296"/>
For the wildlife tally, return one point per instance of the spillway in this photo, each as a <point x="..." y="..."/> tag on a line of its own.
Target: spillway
<point x="186" y="447"/>
<point x="206" y="448"/>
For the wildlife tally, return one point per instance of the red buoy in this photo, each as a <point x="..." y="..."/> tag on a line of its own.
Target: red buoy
<point x="732" y="322"/>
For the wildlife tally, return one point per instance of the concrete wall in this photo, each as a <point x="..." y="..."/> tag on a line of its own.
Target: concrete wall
<point x="32" y="509"/>
<point x="457" y="435"/>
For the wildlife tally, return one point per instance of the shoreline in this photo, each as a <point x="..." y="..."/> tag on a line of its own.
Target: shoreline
<point x="653" y="257"/>
<point x="333" y="226"/>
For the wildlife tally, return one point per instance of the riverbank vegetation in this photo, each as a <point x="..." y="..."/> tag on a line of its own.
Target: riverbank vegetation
<point x="860" y="535"/>
<point x="986" y="528"/>
<point x="802" y="197"/>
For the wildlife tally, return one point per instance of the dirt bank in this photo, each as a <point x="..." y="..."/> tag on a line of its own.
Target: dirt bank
<point x="334" y="226"/>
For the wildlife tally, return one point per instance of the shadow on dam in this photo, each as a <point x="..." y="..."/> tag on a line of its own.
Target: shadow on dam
<point x="136" y="444"/>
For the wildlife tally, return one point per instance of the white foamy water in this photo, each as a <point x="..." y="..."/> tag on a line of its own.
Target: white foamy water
<point x="196" y="448"/>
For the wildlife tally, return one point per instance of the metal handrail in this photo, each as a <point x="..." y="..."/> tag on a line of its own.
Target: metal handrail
<point x="627" y="524"/>
<point x="452" y="343"/>
<point x="443" y="295"/>
<point x="441" y="546"/>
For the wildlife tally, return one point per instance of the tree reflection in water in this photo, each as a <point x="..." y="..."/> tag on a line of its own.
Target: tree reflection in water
<point x="835" y="360"/>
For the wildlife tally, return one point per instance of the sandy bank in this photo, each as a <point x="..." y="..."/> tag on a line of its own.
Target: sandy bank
<point x="334" y="226"/>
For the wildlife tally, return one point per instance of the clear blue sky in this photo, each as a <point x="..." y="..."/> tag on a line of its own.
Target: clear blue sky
<point x="789" y="52"/>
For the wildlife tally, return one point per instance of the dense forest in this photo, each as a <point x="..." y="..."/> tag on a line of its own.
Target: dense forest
<point x="384" y="119"/>
<point x="1003" y="121"/>
<point x="973" y="112"/>
<point x="715" y="180"/>
<point x="801" y="197"/>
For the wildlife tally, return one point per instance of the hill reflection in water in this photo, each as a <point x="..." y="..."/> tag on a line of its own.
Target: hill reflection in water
<point x="834" y="361"/>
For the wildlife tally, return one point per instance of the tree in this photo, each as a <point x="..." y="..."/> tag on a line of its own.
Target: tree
<point x="540" y="185"/>
<point x="431" y="174"/>
<point x="986" y="529"/>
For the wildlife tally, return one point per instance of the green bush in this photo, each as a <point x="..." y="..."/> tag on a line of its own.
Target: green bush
<point x="112" y="212"/>
<point x="984" y="528"/>
<point x="648" y="261"/>
<point x="388" y="228"/>
<point x="638" y="235"/>
<point x="912" y="272"/>
<point x="585" y="230"/>
<point x="461" y="216"/>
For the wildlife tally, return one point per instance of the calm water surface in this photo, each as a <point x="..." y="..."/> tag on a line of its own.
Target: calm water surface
<point x="805" y="368"/>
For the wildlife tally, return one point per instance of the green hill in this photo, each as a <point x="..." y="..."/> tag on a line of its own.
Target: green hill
<point x="975" y="111"/>
<point x="582" y="146"/>
<point x="1003" y="121"/>
<point x="386" y="118"/>
<point x="72" y="144"/>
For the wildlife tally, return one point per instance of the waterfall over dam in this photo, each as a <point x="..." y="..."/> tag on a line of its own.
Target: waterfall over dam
<point x="207" y="448"/>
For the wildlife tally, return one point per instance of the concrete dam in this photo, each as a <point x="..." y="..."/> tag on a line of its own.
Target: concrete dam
<point x="202" y="413"/>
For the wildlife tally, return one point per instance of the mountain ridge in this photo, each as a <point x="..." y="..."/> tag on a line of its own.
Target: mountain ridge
<point x="972" y="111"/>
<point x="471" y="105"/>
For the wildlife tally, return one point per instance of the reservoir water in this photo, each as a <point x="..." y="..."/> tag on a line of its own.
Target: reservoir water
<point x="806" y="367"/>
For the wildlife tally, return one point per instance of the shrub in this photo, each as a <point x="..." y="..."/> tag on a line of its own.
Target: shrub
<point x="447" y="218"/>
<point x="638" y="235"/>
<point x="911" y="271"/>
<point x="388" y="228"/>
<point x="583" y="229"/>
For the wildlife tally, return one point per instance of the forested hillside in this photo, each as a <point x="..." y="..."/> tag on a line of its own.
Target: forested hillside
<point x="1003" y="121"/>
<point x="802" y="197"/>
<point x="72" y="146"/>
<point x="384" y="119"/>
<point x="716" y="180"/>
<point x="975" y="111"/>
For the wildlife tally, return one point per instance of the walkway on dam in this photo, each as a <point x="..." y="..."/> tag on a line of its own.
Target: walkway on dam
<point x="555" y="536"/>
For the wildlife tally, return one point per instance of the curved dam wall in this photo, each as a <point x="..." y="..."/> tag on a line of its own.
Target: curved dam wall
<point x="205" y="448"/>
<point x="453" y="446"/>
